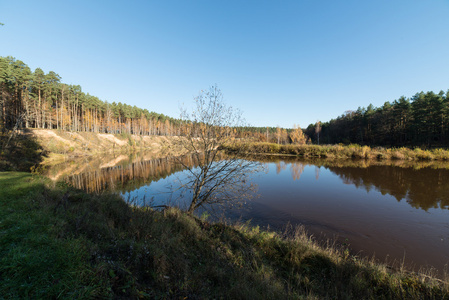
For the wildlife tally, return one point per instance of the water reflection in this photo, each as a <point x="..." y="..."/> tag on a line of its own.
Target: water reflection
<point x="366" y="202"/>
<point x="423" y="185"/>
<point x="367" y="207"/>
<point x="422" y="188"/>
<point x="121" y="174"/>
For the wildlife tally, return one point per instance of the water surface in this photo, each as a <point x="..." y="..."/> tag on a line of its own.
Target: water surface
<point x="397" y="212"/>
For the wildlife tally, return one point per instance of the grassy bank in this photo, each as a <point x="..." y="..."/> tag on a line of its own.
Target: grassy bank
<point x="57" y="242"/>
<point x="347" y="152"/>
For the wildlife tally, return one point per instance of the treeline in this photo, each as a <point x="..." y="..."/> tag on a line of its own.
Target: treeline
<point x="422" y="120"/>
<point x="33" y="99"/>
<point x="277" y="135"/>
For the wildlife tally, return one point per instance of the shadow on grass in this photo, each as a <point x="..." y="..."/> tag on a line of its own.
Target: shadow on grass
<point x="20" y="151"/>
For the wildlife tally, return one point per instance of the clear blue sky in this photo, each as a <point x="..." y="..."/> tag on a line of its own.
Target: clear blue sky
<point x="279" y="62"/>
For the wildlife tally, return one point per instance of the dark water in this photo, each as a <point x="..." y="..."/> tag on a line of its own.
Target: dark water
<point x="386" y="211"/>
<point x="396" y="212"/>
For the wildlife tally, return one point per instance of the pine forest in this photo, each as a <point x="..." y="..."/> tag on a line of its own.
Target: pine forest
<point x="33" y="99"/>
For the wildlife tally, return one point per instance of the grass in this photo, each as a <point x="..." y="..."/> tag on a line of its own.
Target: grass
<point x="34" y="263"/>
<point x="58" y="242"/>
<point x="352" y="151"/>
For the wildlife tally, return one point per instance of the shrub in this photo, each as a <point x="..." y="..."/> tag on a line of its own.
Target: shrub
<point x="275" y="148"/>
<point x="441" y="154"/>
<point x="397" y="155"/>
<point x="423" y="154"/>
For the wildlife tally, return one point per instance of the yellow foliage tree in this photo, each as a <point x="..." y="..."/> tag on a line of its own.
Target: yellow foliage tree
<point x="297" y="136"/>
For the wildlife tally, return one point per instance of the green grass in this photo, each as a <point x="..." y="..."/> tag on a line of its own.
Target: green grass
<point x="34" y="263"/>
<point x="58" y="242"/>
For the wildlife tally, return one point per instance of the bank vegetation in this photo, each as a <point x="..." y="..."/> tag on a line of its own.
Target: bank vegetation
<point x="341" y="151"/>
<point x="59" y="242"/>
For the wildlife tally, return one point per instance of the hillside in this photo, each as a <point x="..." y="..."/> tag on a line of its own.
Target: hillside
<point x="31" y="147"/>
<point x="90" y="143"/>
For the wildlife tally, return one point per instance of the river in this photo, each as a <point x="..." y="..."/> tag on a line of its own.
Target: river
<point x="397" y="213"/>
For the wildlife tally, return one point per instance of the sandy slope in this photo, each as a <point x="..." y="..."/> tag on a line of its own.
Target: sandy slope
<point x="88" y="143"/>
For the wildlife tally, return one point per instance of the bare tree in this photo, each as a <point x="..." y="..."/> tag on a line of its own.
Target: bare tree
<point x="218" y="179"/>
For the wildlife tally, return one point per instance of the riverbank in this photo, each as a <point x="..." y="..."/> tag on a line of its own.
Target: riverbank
<point x="60" y="242"/>
<point x="26" y="149"/>
<point x="64" y="144"/>
<point x="353" y="151"/>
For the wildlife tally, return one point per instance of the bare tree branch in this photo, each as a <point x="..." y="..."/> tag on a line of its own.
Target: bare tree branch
<point x="218" y="178"/>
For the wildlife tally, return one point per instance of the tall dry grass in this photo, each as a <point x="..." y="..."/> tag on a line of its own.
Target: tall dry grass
<point x="352" y="151"/>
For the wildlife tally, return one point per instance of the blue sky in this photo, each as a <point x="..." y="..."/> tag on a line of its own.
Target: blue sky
<point x="279" y="62"/>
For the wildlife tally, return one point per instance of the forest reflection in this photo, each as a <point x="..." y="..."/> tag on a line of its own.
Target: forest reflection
<point x="128" y="176"/>
<point x="422" y="185"/>
<point x="423" y="188"/>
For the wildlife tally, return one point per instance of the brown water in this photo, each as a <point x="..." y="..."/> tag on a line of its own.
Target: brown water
<point x="398" y="212"/>
<point x="395" y="213"/>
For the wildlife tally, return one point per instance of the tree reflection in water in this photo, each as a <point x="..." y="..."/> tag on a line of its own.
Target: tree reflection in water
<point x="424" y="188"/>
<point x="423" y="185"/>
<point x="126" y="177"/>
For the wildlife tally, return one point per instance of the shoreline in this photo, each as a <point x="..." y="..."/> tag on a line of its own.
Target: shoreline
<point x="100" y="246"/>
<point x="352" y="151"/>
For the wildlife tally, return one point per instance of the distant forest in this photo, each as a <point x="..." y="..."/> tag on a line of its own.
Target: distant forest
<point x="422" y="120"/>
<point x="33" y="99"/>
<point x="37" y="100"/>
